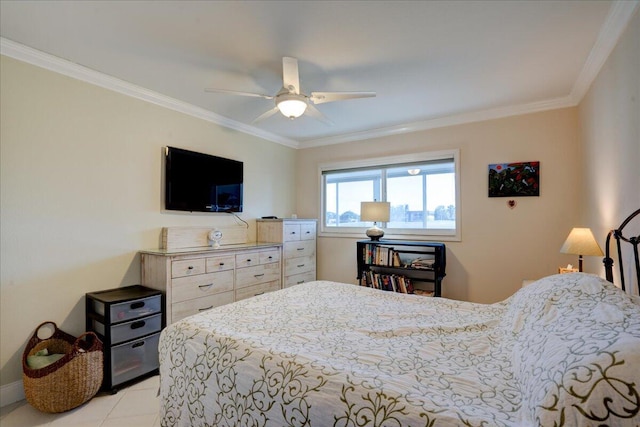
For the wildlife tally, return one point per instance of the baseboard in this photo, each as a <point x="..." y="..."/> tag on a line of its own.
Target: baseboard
<point x="11" y="393"/>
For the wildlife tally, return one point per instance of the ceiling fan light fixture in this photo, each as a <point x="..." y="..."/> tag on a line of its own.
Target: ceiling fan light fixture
<point x="291" y="105"/>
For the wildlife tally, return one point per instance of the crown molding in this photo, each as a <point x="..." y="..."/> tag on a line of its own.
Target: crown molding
<point x="439" y="122"/>
<point x="62" y="66"/>
<point x="620" y="14"/>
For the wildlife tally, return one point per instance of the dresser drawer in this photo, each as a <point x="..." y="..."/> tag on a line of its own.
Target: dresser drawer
<point x="180" y="310"/>
<point x="291" y="232"/>
<point x="132" y="359"/>
<point x="308" y="231"/>
<point x="130" y="330"/>
<point x="299" y="279"/>
<point x="130" y="309"/>
<point x="301" y="248"/>
<point x="299" y="265"/>
<point x="186" y="288"/>
<point x="188" y="267"/>
<point x="259" y="289"/>
<point x="267" y="257"/>
<point x="253" y="275"/>
<point x="220" y="263"/>
<point x="248" y="259"/>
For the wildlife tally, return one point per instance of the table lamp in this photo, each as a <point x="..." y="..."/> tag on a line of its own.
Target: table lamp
<point x="581" y="242"/>
<point x="376" y="212"/>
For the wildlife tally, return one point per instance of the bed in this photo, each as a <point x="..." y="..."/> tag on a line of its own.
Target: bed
<point x="564" y="350"/>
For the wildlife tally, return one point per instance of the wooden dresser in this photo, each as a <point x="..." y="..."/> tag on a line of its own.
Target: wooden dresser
<point x="298" y="237"/>
<point x="197" y="279"/>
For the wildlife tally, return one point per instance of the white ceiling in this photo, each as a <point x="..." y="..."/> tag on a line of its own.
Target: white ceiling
<point x="431" y="62"/>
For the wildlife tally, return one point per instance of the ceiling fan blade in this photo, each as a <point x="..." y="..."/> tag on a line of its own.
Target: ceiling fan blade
<point x="235" y="92"/>
<point x="322" y="97"/>
<point x="265" y="115"/>
<point x="316" y="114"/>
<point x="290" y="75"/>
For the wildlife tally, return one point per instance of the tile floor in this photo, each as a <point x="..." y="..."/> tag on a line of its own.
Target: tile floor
<point x="134" y="406"/>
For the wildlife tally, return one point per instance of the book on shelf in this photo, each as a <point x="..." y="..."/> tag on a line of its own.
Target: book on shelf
<point x="387" y="282"/>
<point x="388" y="256"/>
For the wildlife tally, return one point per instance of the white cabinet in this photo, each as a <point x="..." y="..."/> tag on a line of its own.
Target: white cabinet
<point x="298" y="237"/>
<point x="198" y="279"/>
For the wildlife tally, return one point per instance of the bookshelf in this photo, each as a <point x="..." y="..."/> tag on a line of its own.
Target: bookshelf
<point x="402" y="266"/>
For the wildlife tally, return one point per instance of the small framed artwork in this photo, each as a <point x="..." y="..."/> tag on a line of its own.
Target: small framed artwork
<point x="514" y="179"/>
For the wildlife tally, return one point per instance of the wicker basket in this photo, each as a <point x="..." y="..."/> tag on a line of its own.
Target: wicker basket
<point x="70" y="381"/>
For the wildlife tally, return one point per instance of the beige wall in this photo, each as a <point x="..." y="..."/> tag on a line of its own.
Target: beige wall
<point x="81" y="194"/>
<point x="500" y="247"/>
<point x="610" y="126"/>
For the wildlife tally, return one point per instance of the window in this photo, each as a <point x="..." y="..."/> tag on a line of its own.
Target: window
<point x="423" y="190"/>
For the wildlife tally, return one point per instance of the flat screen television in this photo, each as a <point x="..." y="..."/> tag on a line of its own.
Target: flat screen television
<point x="197" y="182"/>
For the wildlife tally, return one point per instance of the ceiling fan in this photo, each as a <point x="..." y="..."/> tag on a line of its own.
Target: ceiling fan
<point x="290" y="101"/>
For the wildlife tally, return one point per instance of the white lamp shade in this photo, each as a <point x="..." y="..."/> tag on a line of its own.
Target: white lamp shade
<point x="291" y="105"/>
<point x="375" y="211"/>
<point x="581" y="242"/>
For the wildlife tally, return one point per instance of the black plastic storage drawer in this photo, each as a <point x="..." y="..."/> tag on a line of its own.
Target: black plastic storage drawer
<point x="128" y="320"/>
<point x="134" y="358"/>
<point x="132" y="329"/>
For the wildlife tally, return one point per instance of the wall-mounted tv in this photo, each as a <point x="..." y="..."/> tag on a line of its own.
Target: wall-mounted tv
<point x="197" y="182"/>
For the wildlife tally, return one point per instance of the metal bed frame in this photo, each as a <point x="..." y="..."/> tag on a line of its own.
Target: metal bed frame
<point x="633" y="240"/>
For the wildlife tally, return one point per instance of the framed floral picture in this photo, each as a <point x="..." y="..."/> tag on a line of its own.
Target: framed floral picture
<point x="514" y="179"/>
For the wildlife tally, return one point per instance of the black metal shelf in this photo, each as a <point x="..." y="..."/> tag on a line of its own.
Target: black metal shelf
<point x="369" y="251"/>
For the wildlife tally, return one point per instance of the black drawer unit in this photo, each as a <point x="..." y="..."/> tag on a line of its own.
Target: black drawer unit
<point x="128" y="321"/>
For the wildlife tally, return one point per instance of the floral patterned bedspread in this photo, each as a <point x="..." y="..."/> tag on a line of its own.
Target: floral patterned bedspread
<point x="562" y="351"/>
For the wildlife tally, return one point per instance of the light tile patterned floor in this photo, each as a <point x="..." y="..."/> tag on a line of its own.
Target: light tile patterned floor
<point x="134" y="406"/>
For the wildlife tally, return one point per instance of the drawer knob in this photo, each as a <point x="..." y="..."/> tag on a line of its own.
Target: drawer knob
<point x="190" y="267"/>
<point x="300" y="265"/>
<point x="205" y="286"/>
<point x="137" y="305"/>
<point x="249" y="260"/>
<point x="300" y="282"/>
<point x="259" y="293"/>
<point x="138" y="344"/>
<point x="139" y="324"/>
<point x="221" y="264"/>
<point x="258" y="275"/>
<point x="205" y="309"/>
<point x="300" y="249"/>
<point x="293" y="232"/>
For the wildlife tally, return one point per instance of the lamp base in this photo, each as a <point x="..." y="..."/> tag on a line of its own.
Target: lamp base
<point x="375" y="233"/>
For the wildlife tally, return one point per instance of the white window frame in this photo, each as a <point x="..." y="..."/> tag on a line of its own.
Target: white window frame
<point x="395" y="233"/>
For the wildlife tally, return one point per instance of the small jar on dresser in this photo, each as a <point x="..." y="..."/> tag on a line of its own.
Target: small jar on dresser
<point x="298" y="237"/>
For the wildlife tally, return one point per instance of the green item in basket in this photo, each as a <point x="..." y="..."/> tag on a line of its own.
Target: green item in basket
<point x="42" y="358"/>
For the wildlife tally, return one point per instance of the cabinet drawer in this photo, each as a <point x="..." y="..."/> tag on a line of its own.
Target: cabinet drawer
<point x="130" y="309"/>
<point x="298" y="279"/>
<point x="267" y="257"/>
<point x="299" y="265"/>
<point x="301" y="248"/>
<point x="291" y="232"/>
<point x="259" y="274"/>
<point x="183" y="309"/>
<point x="130" y="330"/>
<point x="247" y="259"/>
<point x="259" y="289"/>
<point x="220" y="263"/>
<point x="132" y="359"/>
<point x="188" y="267"/>
<point x="308" y="231"/>
<point x="186" y="288"/>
